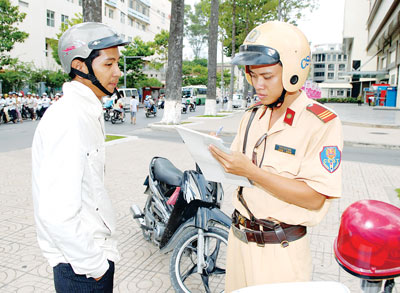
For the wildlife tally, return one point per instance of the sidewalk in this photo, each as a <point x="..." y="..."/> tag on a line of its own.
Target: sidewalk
<point x="142" y="267"/>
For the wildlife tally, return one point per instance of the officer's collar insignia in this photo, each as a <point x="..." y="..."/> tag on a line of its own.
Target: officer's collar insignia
<point x="289" y="116"/>
<point x="321" y="112"/>
<point x="330" y="157"/>
<point x="285" y="149"/>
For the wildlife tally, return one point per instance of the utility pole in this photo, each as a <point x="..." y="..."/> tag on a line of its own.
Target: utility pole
<point x="129" y="57"/>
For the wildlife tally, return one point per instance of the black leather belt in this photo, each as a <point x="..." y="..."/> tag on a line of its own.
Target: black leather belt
<point x="265" y="231"/>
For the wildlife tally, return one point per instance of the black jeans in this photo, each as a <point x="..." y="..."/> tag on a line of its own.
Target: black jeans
<point x="66" y="281"/>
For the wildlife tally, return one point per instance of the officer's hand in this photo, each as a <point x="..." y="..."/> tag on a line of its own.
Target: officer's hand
<point x="234" y="163"/>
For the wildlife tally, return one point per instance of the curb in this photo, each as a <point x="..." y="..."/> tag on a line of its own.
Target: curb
<point x="361" y="124"/>
<point x="372" y="145"/>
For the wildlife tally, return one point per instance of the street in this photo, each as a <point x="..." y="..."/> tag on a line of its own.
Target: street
<point x="19" y="136"/>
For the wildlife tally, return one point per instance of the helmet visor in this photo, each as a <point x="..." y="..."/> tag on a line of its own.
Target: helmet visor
<point x="256" y="55"/>
<point x="107" y="42"/>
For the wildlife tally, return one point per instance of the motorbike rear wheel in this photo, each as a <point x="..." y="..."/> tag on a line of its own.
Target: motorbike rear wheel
<point x="183" y="264"/>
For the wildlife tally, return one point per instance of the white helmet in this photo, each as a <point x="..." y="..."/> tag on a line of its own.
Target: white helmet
<point x="80" y="40"/>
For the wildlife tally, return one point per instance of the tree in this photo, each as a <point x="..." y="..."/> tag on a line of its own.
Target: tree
<point x="64" y="26"/>
<point x="134" y="66"/>
<point x="173" y="92"/>
<point x="195" y="72"/>
<point x="149" y="82"/>
<point x="9" y="34"/>
<point x="211" y="105"/>
<point x="196" y="30"/>
<point x="91" y="10"/>
<point x="160" y="46"/>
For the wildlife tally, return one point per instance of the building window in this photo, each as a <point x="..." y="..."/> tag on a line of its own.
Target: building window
<point x="342" y="67"/>
<point x="345" y="57"/>
<point x="330" y="75"/>
<point x="319" y="74"/>
<point x="110" y="13"/>
<point x="392" y="79"/>
<point x="383" y="63"/>
<point x="331" y="67"/>
<point x="331" y="92"/>
<point x="143" y="27"/>
<point x="46" y="48"/>
<point x="334" y="57"/>
<point x="130" y="21"/>
<point x="340" y="93"/>
<point x="122" y="17"/>
<point x="339" y="57"/>
<point x="392" y="56"/>
<point x="50" y="18"/>
<point x="319" y="66"/>
<point x="329" y="57"/>
<point x="64" y="19"/>
<point x="130" y="4"/>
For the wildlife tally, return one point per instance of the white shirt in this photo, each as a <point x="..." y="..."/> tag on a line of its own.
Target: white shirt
<point x="134" y="104"/>
<point x="73" y="213"/>
<point x="46" y="102"/>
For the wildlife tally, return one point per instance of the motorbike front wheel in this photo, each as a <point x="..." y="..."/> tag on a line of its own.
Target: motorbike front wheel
<point x="183" y="265"/>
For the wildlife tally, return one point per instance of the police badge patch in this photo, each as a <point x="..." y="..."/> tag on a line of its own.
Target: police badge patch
<point x="330" y="157"/>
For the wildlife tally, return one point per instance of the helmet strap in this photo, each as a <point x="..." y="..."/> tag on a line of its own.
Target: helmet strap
<point x="279" y="101"/>
<point x="92" y="77"/>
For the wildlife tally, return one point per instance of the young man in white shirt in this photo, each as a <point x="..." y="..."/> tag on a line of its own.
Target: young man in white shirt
<point x="73" y="213"/>
<point x="134" y="104"/>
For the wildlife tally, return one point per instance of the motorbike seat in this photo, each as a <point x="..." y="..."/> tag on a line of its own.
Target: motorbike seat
<point x="166" y="172"/>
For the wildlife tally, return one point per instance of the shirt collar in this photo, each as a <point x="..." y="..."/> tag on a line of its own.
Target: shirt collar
<point x="84" y="95"/>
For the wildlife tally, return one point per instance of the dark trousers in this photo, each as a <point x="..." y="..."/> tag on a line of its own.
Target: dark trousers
<point x="66" y="281"/>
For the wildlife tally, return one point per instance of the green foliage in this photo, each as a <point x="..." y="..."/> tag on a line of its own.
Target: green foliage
<point x="134" y="66"/>
<point x="337" y="100"/>
<point x="54" y="42"/>
<point x="196" y="26"/>
<point x="113" y="137"/>
<point x="195" y="72"/>
<point x="148" y="82"/>
<point x="9" y="34"/>
<point x="160" y="45"/>
<point x="19" y="75"/>
<point x="250" y="13"/>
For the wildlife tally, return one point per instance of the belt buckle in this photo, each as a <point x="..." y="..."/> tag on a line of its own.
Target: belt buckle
<point x="241" y="235"/>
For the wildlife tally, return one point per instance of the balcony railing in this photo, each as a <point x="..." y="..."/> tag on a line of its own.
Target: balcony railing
<point x="138" y="15"/>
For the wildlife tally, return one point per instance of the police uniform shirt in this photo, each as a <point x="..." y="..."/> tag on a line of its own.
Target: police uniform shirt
<point x="301" y="145"/>
<point x="296" y="148"/>
<point x="45" y="102"/>
<point x="11" y="103"/>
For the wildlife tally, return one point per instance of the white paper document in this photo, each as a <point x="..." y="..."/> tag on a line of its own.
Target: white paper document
<point x="197" y="144"/>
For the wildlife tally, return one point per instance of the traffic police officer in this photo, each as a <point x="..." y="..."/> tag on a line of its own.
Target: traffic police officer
<point x="289" y="147"/>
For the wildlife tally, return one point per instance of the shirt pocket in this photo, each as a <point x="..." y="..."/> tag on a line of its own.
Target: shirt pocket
<point x="283" y="162"/>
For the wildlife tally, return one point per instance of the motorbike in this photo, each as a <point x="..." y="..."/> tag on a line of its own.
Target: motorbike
<point x="182" y="215"/>
<point x="192" y="107"/>
<point x="116" y="116"/>
<point x="151" y="111"/>
<point x="107" y="113"/>
<point x="367" y="245"/>
<point x="184" y="108"/>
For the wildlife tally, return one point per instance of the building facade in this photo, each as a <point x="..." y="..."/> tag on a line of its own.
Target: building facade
<point x="329" y="64"/>
<point x="131" y="18"/>
<point x="383" y="27"/>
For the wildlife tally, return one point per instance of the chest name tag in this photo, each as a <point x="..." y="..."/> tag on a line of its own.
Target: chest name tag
<point x="284" y="149"/>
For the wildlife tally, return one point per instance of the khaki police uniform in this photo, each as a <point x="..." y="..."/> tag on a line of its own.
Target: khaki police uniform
<point x="304" y="144"/>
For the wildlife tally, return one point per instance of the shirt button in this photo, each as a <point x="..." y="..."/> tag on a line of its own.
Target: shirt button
<point x="97" y="209"/>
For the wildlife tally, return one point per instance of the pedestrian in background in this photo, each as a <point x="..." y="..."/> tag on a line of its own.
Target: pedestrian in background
<point x="73" y="213"/>
<point x="134" y="107"/>
<point x="289" y="147"/>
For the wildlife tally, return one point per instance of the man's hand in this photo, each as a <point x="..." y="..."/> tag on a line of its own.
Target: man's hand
<point x="234" y="163"/>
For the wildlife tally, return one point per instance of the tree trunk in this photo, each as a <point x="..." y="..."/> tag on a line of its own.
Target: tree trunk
<point x="246" y="84"/>
<point x="229" y="106"/>
<point x="211" y="105"/>
<point x="173" y="91"/>
<point x="91" y="10"/>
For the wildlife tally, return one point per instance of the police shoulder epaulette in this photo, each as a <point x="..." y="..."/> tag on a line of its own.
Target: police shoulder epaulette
<point x="324" y="114"/>
<point x="254" y="106"/>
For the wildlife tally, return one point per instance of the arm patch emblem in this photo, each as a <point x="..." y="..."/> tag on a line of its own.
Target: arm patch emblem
<point x="330" y="157"/>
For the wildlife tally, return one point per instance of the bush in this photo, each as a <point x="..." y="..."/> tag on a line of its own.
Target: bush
<point x="337" y="100"/>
